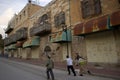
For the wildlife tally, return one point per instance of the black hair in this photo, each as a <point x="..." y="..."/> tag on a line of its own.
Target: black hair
<point x="67" y="56"/>
<point x="48" y="57"/>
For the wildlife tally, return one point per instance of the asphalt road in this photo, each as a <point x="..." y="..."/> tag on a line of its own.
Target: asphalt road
<point x="12" y="70"/>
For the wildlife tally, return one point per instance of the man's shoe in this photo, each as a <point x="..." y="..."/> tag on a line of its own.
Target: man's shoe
<point x="74" y="74"/>
<point x="81" y="74"/>
<point x="68" y="74"/>
<point x="89" y="72"/>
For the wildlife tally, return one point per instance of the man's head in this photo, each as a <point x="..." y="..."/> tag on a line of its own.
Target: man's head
<point x="48" y="57"/>
<point x="67" y="56"/>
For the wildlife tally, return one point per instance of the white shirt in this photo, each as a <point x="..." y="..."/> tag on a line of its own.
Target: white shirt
<point x="69" y="61"/>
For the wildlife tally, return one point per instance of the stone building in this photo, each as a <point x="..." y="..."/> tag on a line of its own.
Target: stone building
<point x="65" y="27"/>
<point x="17" y="30"/>
<point x="47" y="24"/>
<point x="99" y="27"/>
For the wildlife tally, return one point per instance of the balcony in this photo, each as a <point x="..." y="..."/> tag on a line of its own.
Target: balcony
<point x="40" y="29"/>
<point x="9" y="29"/>
<point x="10" y="40"/>
<point x="61" y="37"/>
<point x="21" y="34"/>
<point x="33" y="42"/>
<point x="13" y="38"/>
<point x="6" y="41"/>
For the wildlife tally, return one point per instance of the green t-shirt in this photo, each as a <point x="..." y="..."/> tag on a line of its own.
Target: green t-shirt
<point x="50" y="64"/>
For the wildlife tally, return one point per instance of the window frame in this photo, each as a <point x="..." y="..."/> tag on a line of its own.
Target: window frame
<point x="59" y="19"/>
<point x="89" y="8"/>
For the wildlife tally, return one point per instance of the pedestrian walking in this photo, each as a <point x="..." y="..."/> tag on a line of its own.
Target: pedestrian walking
<point x="49" y="66"/>
<point x="70" y="65"/>
<point x="82" y="63"/>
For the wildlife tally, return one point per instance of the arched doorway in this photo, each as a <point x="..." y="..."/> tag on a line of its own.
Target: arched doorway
<point x="47" y="50"/>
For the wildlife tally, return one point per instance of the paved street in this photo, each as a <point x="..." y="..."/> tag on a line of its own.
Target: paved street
<point x="11" y="70"/>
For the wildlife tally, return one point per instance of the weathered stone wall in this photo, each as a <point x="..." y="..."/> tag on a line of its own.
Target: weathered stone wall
<point x="117" y="42"/>
<point x="53" y="8"/>
<point x="22" y="19"/>
<point x="101" y="47"/>
<point x="73" y="15"/>
<point x="97" y="47"/>
<point x="79" y="46"/>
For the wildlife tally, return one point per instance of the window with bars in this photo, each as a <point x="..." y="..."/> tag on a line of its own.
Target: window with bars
<point x="90" y="8"/>
<point x="24" y="13"/>
<point x="59" y="19"/>
<point x="43" y="18"/>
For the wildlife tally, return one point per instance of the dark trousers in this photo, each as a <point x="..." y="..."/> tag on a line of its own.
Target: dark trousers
<point x="72" y="69"/>
<point x="50" y="73"/>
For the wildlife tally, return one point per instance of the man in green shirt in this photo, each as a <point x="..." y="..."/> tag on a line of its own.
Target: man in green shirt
<point x="49" y="66"/>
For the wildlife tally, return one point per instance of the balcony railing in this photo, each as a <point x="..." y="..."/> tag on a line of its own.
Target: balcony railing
<point x="21" y="34"/>
<point x="6" y="41"/>
<point x="10" y="39"/>
<point x="40" y="29"/>
<point x="61" y="37"/>
<point x="13" y="39"/>
<point x="9" y="29"/>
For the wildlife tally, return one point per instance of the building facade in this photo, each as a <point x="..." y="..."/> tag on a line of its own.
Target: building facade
<point x="65" y="27"/>
<point x="17" y="30"/>
<point x="100" y="30"/>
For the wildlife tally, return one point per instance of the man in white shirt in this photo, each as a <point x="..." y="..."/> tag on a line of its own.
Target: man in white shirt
<point x="70" y="65"/>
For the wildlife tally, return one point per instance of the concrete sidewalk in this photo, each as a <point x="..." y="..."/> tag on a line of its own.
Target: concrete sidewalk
<point x="62" y="74"/>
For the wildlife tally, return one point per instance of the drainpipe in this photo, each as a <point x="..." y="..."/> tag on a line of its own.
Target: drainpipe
<point x="70" y="24"/>
<point x="69" y="15"/>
